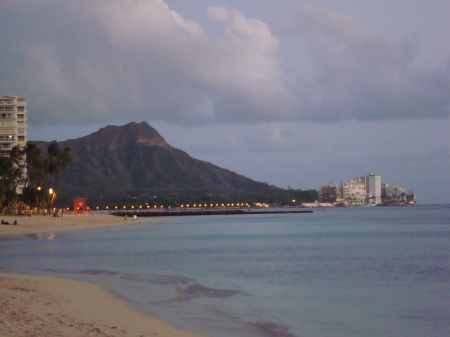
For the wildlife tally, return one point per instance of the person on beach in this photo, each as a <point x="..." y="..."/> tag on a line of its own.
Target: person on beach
<point x="15" y="222"/>
<point x="135" y="217"/>
<point x="126" y="218"/>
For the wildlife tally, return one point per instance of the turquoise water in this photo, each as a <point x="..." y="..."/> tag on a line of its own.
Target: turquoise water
<point x="368" y="271"/>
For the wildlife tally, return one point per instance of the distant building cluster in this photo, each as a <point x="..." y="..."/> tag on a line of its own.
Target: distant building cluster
<point x="365" y="190"/>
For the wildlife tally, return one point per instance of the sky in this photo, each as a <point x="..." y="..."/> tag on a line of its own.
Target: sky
<point x="289" y="92"/>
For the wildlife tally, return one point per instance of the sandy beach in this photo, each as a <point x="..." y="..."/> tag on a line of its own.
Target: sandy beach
<point x="35" y="306"/>
<point x="41" y="224"/>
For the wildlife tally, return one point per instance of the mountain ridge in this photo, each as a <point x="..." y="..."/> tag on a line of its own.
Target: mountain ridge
<point x="133" y="161"/>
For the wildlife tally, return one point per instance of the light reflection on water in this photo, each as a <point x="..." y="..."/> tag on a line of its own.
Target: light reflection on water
<point x="46" y="236"/>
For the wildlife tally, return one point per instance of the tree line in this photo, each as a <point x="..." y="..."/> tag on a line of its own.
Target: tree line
<point x="39" y="173"/>
<point x="272" y="196"/>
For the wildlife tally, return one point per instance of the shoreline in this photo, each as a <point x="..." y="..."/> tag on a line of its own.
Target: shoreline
<point x="33" y="305"/>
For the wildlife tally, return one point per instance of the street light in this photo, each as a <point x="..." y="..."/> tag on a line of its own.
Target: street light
<point x="52" y="196"/>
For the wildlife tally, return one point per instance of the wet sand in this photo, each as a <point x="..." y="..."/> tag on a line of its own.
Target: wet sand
<point x="32" y="306"/>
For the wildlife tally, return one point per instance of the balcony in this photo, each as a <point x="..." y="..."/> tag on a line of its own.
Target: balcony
<point x="7" y="138"/>
<point x="5" y="146"/>
<point x="6" y="116"/>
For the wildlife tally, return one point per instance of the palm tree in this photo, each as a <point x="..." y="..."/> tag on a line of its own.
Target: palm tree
<point x="9" y="175"/>
<point x="35" y="165"/>
<point x="57" y="160"/>
<point x="43" y="172"/>
<point x="18" y="156"/>
<point x="35" y="173"/>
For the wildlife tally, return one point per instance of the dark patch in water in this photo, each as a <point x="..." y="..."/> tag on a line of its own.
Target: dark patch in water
<point x="157" y="279"/>
<point x="272" y="329"/>
<point x="198" y="291"/>
<point x="19" y="236"/>
<point x="195" y="291"/>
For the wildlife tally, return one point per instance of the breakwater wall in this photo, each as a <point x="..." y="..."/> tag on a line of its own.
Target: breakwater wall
<point x="204" y="212"/>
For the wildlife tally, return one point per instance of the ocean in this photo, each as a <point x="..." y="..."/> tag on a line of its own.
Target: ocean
<point x="360" y="271"/>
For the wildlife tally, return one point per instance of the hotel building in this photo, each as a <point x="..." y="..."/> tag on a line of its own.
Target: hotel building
<point x="13" y="126"/>
<point x="374" y="189"/>
<point x="365" y="190"/>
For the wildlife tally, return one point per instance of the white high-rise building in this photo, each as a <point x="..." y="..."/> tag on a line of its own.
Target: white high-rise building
<point x="374" y="189"/>
<point x="13" y="125"/>
<point x="354" y="192"/>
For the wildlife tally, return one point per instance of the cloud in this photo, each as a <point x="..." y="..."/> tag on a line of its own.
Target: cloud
<point x="358" y="75"/>
<point x="106" y="61"/>
<point x="103" y="60"/>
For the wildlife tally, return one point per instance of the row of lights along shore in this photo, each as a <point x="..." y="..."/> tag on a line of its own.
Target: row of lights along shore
<point x="187" y="206"/>
<point x="162" y="207"/>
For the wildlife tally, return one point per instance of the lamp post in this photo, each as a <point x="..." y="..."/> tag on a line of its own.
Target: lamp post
<point x="52" y="196"/>
<point x="37" y="198"/>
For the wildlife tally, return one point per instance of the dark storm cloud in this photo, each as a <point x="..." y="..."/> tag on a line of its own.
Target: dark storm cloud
<point x="105" y="61"/>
